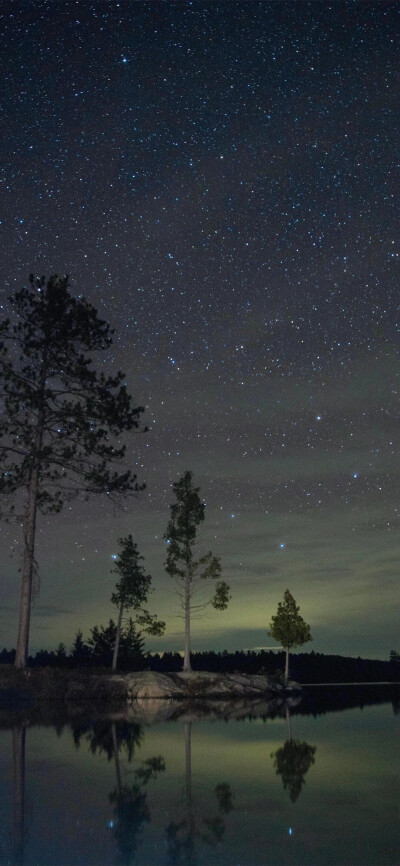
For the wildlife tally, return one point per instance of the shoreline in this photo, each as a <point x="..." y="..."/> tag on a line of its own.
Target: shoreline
<point x="78" y="686"/>
<point x="98" y="687"/>
<point x="56" y="696"/>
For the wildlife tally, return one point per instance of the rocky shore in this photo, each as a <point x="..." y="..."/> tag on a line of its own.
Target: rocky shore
<point x="149" y="685"/>
<point x="151" y="697"/>
<point x="142" y="696"/>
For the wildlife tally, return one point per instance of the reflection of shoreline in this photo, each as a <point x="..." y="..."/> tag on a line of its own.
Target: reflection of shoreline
<point x="154" y="710"/>
<point x="318" y="700"/>
<point x="207" y="755"/>
<point x="313" y="701"/>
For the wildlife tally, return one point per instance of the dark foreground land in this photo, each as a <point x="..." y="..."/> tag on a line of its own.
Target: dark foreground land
<point x="100" y="686"/>
<point x="247" y="674"/>
<point x="56" y="695"/>
<point x="146" y="696"/>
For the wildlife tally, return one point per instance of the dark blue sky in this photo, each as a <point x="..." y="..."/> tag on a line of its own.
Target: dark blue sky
<point x="221" y="180"/>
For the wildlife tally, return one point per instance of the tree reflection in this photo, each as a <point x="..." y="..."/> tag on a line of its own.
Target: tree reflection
<point x="293" y="761"/>
<point x="109" y="738"/>
<point x="131" y="811"/>
<point x="396" y="705"/>
<point x="18" y="833"/>
<point x="181" y="836"/>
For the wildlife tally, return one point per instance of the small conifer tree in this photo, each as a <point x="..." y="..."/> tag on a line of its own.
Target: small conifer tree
<point x="131" y="592"/>
<point x="288" y="627"/>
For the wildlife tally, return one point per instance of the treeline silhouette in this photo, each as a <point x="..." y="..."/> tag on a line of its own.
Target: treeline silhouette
<point x="305" y="667"/>
<point x="320" y="700"/>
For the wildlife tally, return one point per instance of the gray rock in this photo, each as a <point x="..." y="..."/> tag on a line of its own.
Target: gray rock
<point x="123" y="689"/>
<point x="148" y="684"/>
<point x="214" y="684"/>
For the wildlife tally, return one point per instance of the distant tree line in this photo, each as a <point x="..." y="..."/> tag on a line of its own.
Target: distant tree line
<point x="97" y="651"/>
<point x="305" y="667"/>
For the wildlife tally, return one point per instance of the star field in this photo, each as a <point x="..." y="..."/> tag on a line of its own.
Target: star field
<point x="221" y="180"/>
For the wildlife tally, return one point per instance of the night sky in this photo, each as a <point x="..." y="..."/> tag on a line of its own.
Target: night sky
<point x="220" y="179"/>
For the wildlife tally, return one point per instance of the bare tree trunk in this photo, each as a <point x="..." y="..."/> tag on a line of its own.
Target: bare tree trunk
<point x="287" y="665"/>
<point x="190" y="826"/>
<point x="19" y="733"/>
<point x="30" y="529"/>
<point x="117" y="639"/>
<point x="186" y="660"/>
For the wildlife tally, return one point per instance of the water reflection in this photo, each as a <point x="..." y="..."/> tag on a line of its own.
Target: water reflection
<point x="118" y="741"/>
<point x="109" y="738"/>
<point x="209" y="829"/>
<point x="131" y="811"/>
<point x="117" y="791"/>
<point x="18" y="828"/>
<point x="293" y="761"/>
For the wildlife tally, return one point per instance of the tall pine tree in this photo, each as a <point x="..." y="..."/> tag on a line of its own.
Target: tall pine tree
<point x="61" y="423"/>
<point x="187" y="513"/>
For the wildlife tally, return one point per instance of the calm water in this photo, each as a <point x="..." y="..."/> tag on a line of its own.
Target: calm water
<point x="294" y="789"/>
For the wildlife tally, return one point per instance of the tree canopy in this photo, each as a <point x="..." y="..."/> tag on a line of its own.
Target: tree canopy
<point x="102" y="642"/>
<point x="292" y="761"/>
<point x="62" y="419"/>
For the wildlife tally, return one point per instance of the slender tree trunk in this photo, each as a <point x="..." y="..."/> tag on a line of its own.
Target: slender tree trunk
<point x="117" y="639"/>
<point x="287" y="665"/>
<point x="288" y="724"/>
<point x="30" y="530"/>
<point x="27" y="570"/>
<point x="19" y="733"/>
<point x="186" y="660"/>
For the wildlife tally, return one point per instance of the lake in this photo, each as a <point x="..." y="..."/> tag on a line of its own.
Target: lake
<point x="315" y="783"/>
